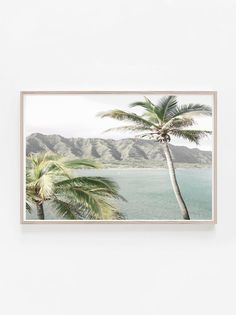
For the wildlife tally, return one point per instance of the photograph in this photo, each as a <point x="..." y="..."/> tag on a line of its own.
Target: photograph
<point x="118" y="157"/>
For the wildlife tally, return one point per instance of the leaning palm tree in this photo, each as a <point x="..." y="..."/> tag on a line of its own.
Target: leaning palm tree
<point x="160" y="122"/>
<point x="49" y="178"/>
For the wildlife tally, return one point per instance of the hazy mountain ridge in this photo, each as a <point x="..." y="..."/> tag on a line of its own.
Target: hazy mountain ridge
<point x="128" y="151"/>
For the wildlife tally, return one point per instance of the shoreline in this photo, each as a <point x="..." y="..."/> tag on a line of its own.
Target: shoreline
<point x="143" y="168"/>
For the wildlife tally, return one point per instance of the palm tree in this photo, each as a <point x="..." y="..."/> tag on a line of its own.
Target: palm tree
<point x="49" y="179"/>
<point x="160" y="122"/>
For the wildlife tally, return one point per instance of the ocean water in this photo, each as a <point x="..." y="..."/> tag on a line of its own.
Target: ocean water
<point x="149" y="192"/>
<point x="150" y="196"/>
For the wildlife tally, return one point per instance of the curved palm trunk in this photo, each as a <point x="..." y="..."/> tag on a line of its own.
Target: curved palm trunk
<point x="40" y="211"/>
<point x="174" y="183"/>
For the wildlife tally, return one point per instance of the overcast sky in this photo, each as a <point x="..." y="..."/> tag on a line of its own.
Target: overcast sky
<point x="75" y="115"/>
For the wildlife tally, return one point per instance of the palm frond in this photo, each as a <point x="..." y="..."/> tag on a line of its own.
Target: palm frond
<point x="147" y="135"/>
<point x="65" y="209"/>
<point x="190" y="135"/>
<point x="110" y="212"/>
<point x="166" y="105"/>
<point x="131" y="128"/>
<point x="126" y="116"/>
<point x="179" y="122"/>
<point x="38" y="158"/>
<point x="94" y="184"/>
<point x="92" y="193"/>
<point x="190" y="110"/>
<point x="44" y="187"/>
<point x="48" y="178"/>
<point x="152" y="111"/>
<point x="57" y="168"/>
<point x="147" y="105"/>
<point x="28" y="207"/>
<point x="79" y="211"/>
<point x="76" y="164"/>
<point x="117" y="215"/>
<point x="82" y="196"/>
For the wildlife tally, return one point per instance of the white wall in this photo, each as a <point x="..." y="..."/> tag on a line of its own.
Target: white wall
<point x="135" y="44"/>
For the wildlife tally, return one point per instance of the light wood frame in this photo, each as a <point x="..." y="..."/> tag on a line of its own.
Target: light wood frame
<point x="214" y="160"/>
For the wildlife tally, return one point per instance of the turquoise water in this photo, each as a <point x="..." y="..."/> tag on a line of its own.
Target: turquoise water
<point x="150" y="196"/>
<point x="149" y="193"/>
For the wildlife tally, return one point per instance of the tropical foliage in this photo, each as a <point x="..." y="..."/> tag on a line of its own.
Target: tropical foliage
<point x="50" y="178"/>
<point x="161" y="122"/>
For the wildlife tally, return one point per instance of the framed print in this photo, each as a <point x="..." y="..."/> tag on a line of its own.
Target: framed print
<point x="118" y="157"/>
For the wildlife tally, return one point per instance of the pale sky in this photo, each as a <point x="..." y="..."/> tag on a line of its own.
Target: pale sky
<point x="75" y="115"/>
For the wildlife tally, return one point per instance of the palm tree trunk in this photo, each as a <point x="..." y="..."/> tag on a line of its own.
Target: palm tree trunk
<point x="40" y="211"/>
<point x="174" y="183"/>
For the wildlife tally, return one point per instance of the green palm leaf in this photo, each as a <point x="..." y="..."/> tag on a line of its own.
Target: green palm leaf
<point x="94" y="184"/>
<point x="86" y="199"/>
<point x="49" y="179"/>
<point x="190" y="109"/>
<point x="28" y="207"/>
<point x="152" y="111"/>
<point x="166" y="105"/>
<point x="147" y="105"/>
<point x="162" y="119"/>
<point x="92" y="193"/>
<point x="76" y="164"/>
<point x="65" y="209"/>
<point x="190" y="135"/>
<point x="132" y="128"/>
<point x="125" y="116"/>
<point x="179" y="122"/>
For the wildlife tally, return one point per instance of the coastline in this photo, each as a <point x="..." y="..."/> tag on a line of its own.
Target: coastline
<point x="149" y="168"/>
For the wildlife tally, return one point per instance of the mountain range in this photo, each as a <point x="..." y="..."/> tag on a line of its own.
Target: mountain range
<point x="131" y="152"/>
